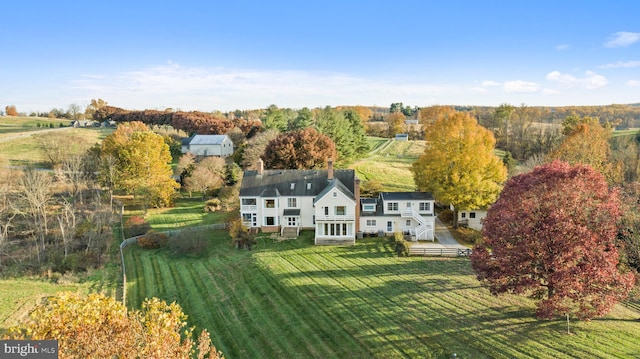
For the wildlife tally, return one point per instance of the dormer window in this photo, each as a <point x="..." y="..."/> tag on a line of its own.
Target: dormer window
<point x="369" y="207"/>
<point x="293" y="186"/>
<point x="308" y="186"/>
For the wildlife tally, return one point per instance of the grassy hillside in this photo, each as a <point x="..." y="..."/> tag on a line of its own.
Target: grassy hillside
<point x="296" y="300"/>
<point x="23" y="147"/>
<point x="389" y="162"/>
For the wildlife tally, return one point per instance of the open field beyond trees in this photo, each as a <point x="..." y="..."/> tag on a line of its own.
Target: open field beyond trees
<point x="295" y="300"/>
<point x="389" y="162"/>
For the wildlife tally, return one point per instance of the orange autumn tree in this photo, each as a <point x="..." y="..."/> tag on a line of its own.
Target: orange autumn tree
<point x="587" y="142"/>
<point x="97" y="326"/>
<point x="303" y="149"/>
<point x="137" y="160"/>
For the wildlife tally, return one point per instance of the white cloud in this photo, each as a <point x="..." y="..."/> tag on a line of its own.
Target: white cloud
<point x="562" y="47"/>
<point x="521" y="86"/>
<point x="224" y="89"/>
<point x="595" y="81"/>
<point x="621" y="64"/>
<point x="490" y="83"/>
<point x="590" y="81"/>
<point x="622" y="39"/>
<point x="633" y="83"/>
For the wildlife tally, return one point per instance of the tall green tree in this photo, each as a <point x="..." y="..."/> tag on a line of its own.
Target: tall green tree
<point x="303" y="119"/>
<point x="458" y="165"/>
<point x="137" y="161"/>
<point x="345" y="129"/>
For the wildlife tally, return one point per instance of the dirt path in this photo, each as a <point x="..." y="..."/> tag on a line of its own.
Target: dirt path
<point x="19" y="135"/>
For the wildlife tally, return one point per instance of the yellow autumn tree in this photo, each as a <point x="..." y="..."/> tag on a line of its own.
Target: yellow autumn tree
<point x="97" y="326"/>
<point x="587" y="143"/>
<point x="458" y="165"/>
<point x="137" y="161"/>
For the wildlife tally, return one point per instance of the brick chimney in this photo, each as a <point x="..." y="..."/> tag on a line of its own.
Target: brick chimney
<point x="356" y="193"/>
<point x="329" y="169"/>
<point x="260" y="166"/>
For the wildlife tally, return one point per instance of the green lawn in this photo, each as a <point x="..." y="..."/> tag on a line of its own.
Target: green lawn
<point x="390" y="162"/>
<point x="186" y="212"/>
<point x="295" y="300"/>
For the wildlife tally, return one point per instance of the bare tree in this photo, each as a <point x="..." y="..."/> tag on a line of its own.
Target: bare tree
<point x="67" y="222"/>
<point x="256" y="146"/>
<point x="74" y="111"/>
<point x="73" y="171"/>
<point x="36" y="193"/>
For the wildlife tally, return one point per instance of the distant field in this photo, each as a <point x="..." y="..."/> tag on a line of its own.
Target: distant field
<point x="13" y="124"/>
<point x="25" y="150"/>
<point x="295" y="300"/>
<point x="389" y="162"/>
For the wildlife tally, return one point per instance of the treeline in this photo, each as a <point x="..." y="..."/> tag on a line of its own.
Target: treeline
<point x="192" y="122"/>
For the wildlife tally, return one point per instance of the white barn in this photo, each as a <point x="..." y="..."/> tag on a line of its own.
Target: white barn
<point x="208" y="145"/>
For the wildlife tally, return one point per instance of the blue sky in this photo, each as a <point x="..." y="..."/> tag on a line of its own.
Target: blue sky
<point x="226" y="55"/>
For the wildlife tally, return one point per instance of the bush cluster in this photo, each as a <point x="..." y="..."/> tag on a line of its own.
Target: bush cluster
<point x="153" y="240"/>
<point x="400" y="246"/>
<point x="213" y="205"/>
<point x="136" y="226"/>
<point x="192" y="242"/>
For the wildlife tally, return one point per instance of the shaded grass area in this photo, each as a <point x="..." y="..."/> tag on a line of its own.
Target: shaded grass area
<point x="19" y="296"/>
<point x="186" y="212"/>
<point x="294" y="300"/>
<point x="389" y="163"/>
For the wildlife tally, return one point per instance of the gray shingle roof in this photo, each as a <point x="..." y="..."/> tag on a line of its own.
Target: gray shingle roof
<point x="292" y="183"/>
<point x="406" y="196"/>
<point x="205" y="140"/>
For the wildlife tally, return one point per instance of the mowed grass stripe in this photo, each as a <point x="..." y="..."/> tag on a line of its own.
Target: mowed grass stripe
<point x="330" y="335"/>
<point x="248" y="321"/>
<point x="373" y="299"/>
<point x="251" y="339"/>
<point x="296" y="331"/>
<point x="382" y="305"/>
<point x="222" y="330"/>
<point x="377" y="339"/>
<point x="320" y="334"/>
<point x="323" y="298"/>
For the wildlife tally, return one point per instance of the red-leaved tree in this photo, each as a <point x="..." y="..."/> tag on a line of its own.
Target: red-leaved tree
<point x="302" y="149"/>
<point x="551" y="235"/>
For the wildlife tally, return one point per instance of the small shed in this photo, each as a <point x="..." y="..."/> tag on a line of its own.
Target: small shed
<point x="208" y="145"/>
<point x="402" y="137"/>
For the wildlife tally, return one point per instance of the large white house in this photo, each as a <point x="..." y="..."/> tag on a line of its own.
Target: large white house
<point x="208" y="145"/>
<point x="328" y="202"/>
